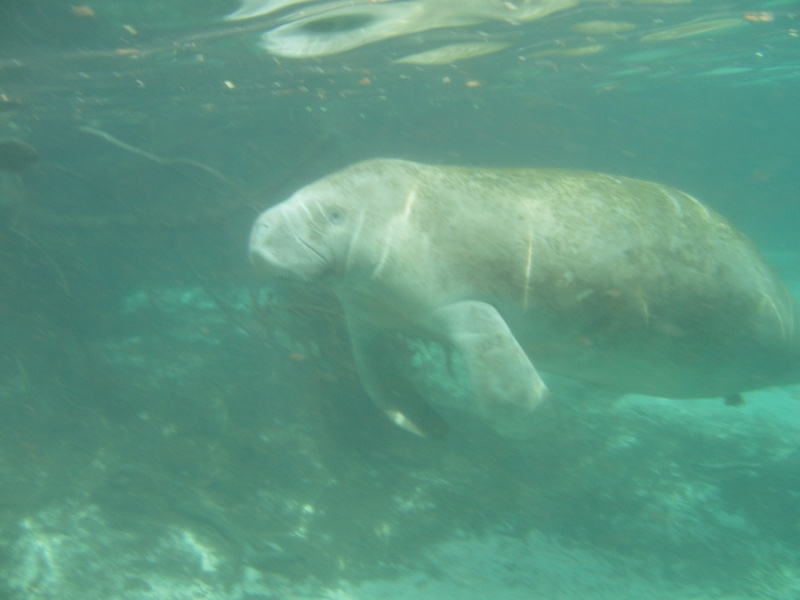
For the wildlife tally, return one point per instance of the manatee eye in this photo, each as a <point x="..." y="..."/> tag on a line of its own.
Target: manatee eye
<point x="335" y="215"/>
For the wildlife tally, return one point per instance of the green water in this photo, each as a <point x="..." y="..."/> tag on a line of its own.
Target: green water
<point x="174" y="426"/>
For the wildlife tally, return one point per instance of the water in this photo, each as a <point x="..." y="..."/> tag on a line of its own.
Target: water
<point x="173" y="426"/>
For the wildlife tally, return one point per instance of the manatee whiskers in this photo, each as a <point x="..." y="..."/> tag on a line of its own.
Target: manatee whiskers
<point x="353" y="241"/>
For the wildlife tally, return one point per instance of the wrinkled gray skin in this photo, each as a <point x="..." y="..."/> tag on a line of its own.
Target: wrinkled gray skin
<point x="621" y="283"/>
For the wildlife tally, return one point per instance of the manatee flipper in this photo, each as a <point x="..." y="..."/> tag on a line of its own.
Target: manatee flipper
<point x="379" y="356"/>
<point x="506" y="383"/>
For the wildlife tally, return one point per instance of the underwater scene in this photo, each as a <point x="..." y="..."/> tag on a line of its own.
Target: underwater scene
<point x="394" y="299"/>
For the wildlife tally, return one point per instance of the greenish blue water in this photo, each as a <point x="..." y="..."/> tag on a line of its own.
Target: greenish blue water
<point x="173" y="426"/>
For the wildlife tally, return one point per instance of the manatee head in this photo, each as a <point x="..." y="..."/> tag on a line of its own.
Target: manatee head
<point x="304" y="237"/>
<point x="336" y="225"/>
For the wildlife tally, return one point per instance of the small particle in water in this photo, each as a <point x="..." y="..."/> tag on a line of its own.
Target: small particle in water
<point x="82" y="11"/>
<point x="691" y="29"/>
<point x="451" y="53"/>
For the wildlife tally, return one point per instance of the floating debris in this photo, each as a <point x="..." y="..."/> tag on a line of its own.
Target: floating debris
<point x="725" y="71"/>
<point x="83" y="11"/>
<point x="761" y="16"/>
<point x="692" y="28"/>
<point x="603" y="27"/>
<point x="7" y="103"/>
<point x="577" y="51"/>
<point x="451" y="53"/>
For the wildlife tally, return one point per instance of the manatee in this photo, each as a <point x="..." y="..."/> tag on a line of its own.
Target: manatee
<point x="623" y="284"/>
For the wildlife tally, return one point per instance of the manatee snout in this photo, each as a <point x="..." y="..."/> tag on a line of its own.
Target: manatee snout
<point x="259" y="240"/>
<point x="279" y="245"/>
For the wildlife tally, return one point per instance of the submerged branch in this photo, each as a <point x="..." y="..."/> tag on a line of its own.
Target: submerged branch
<point x="23" y="210"/>
<point x="159" y="160"/>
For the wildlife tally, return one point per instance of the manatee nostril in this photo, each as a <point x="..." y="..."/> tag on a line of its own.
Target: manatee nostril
<point x="255" y="254"/>
<point x="257" y="236"/>
<point x="260" y="230"/>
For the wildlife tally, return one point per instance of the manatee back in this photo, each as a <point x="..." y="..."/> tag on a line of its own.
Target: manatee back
<point x="627" y="283"/>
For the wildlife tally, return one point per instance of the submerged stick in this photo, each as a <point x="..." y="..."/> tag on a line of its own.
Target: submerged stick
<point x="43" y="217"/>
<point x="160" y="160"/>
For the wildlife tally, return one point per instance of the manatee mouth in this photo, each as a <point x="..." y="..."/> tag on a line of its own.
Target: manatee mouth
<point x="300" y="241"/>
<point x="258" y="248"/>
<point x="276" y="247"/>
<point x="313" y="250"/>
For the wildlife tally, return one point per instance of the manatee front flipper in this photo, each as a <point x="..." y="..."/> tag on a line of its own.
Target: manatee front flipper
<point x="379" y="357"/>
<point x="507" y="385"/>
